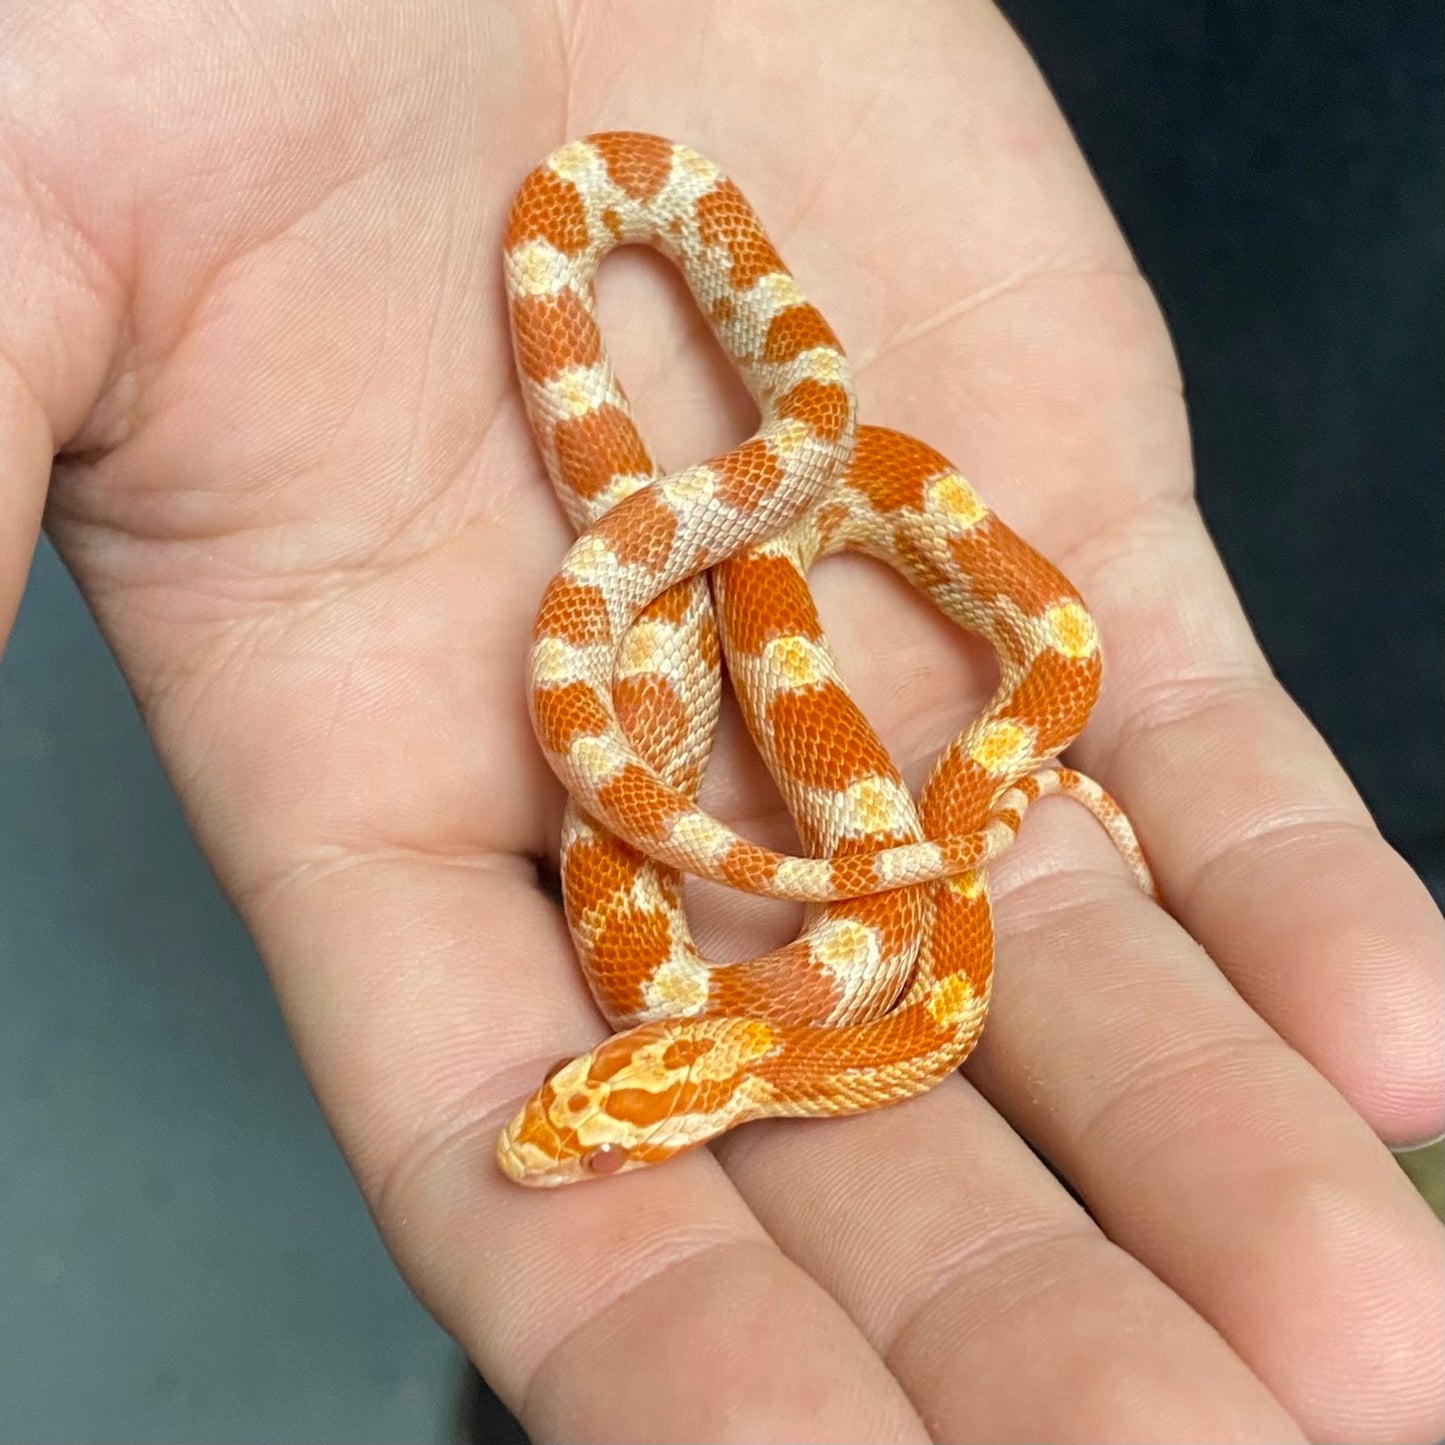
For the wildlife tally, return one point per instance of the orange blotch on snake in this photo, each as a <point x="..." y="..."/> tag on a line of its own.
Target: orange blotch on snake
<point x="548" y="209"/>
<point x="629" y="944"/>
<point x="922" y="568"/>
<point x="822" y="406"/>
<point x="649" y="806"/>
<point x="636" y="163"/>
<point x="709" y="647"/>
<point x="745" y="865"/>
<point x="725" y="219"/>
<point x="600" y="866"/>
<point x="765" y="598"/>
<point x="999" y="564"/>
<point x="852" y="874"/>
<point x="653" y="717"/>
<point x="612" y="1056"/>
<point x="639" y="531"/>
<point x="821" y="738"/>
<point x="552" y="333"/>
<point x="575" y="612"/>
<point x="642" y="1107"/>
<point x="598" y="445"/>
<point x="564" y="714"/>
<point x="796" y="330"/>
<point x="963" y="929"/>
<point x="683" y="1053"/>
<point x="828" y="519"/>
<point x="1055" y="697"/>
<point x="786" y="984"/>
<point x="672" y="606"/>
<point x="891" y="469"/>
<point x="747" y="474"/>
<point x="959" y="795"/>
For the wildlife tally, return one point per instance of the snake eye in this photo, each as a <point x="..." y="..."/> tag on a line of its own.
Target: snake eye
<point x="604" y="1159"/>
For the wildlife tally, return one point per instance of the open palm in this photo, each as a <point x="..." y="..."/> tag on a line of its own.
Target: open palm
<point x="253" y="303"/>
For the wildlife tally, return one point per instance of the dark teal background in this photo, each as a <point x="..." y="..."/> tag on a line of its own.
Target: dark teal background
<point x="1277" y="168"/>
<point x="183" y="1256"/>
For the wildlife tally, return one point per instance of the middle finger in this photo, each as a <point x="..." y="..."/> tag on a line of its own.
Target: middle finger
<point x="994" y="1298"/>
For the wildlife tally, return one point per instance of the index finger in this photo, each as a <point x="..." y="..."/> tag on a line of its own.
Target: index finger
<point x="652" y="1307"/>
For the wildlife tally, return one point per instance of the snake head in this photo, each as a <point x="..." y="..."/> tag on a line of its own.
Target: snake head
<point x="638" y="1099"/>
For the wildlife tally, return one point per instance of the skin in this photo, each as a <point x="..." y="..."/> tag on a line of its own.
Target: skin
<point x="251" y="299"/>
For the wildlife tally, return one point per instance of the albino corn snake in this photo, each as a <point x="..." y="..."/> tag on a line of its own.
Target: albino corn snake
<point x="885" y="992"/>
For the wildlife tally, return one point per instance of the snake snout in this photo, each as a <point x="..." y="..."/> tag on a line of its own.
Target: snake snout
<point x="548" y="1140"/>
<point x="530" y="1150"/>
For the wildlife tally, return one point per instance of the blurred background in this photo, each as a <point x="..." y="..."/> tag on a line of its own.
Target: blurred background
<point x="182" y="1254"/>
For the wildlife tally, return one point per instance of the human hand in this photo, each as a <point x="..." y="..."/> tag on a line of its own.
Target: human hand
<point x="254" y="303"/>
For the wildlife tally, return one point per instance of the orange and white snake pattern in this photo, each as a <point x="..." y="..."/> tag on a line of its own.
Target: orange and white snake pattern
<point x="884" y="993"/>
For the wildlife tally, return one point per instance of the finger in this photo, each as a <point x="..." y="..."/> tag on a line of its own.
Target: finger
<point x="25" y="449"/>
<point x="1207" y="1147"/>
<point x="54" y="325"/>
<point x="994" y="1299"/>
<point x="651" y="1307"/>
<point x="1263" y="848"/>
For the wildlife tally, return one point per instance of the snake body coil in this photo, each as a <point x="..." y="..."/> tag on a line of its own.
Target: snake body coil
<point x="885" y="992"/>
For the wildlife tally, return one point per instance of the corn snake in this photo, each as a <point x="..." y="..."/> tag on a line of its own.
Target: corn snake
<point x="885" y="991"/>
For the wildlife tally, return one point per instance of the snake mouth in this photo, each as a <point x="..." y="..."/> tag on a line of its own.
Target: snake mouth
<point x="553" y="1173"/>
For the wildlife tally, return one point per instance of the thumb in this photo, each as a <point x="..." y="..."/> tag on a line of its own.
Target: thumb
<point x="25" y="452"/>
<point x="58" y="328"/>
